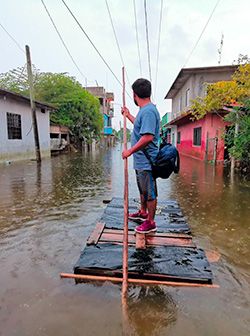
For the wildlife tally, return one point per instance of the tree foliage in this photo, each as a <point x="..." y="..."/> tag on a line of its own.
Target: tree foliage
<point x="223" y="93"/>
<point x="76" y="108"/>
<point x="239" y="147"/>
<point x="16" y="80"/>
<point x="120" y="134"/>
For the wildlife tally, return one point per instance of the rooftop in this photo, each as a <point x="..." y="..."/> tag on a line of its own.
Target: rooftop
<point x="185" y="73"/>
<point x="22" y="98"/>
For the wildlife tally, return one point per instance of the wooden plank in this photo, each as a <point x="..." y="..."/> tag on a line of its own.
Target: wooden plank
<point x="150" y="240"/>
<point x="96" y="234"/>
<point x="135" y="281"/>
<point x="140" y="241"/>
<point x="160" y="234"/>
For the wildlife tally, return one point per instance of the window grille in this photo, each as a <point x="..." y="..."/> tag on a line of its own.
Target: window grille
<point x="14" y="126"/>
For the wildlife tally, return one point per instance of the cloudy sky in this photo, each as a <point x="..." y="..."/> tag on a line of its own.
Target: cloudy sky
<point x="182" y="23"/>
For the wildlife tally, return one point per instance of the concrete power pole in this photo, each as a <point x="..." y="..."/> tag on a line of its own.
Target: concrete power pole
<point x="32" y="105"/>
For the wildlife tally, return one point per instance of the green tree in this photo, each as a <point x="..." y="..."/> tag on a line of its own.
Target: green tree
<point x="239" y="146"/>
<point x="16" y="80"/>
<point x="77" y="108"/>
<point x="223" y="93"/>
<point x="120" y="134"/>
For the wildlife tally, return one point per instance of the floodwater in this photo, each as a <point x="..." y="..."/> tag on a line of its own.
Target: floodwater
<point x="46" y="215"/>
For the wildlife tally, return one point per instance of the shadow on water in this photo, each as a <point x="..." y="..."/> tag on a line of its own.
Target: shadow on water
<point x="46" y="215"/>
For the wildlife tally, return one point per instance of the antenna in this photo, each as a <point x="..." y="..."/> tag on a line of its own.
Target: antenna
<point x="220" y="49"/>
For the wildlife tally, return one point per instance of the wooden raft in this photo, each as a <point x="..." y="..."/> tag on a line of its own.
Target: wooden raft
<point x="170" y="254"/>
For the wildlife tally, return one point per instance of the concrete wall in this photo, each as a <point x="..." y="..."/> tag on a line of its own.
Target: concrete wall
<point x="196" y="84"/>
<point x="211" y="124"/>
<point x="24" y="148"/>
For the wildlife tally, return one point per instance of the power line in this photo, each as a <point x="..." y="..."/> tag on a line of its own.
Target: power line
<point x="146" y="25"/>
<point x="158" y="48"/>
<point x="137" y="38"/>
<point x="62" y="40"/>
<point x="204" y="28"/>
<point x="93" y="45"/>
<point x="12" y="38"/>
<point x="116" y="39"/>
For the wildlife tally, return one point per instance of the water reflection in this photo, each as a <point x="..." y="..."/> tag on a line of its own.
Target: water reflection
<point x="30" y="191"/>
<point x="151" y="310"/>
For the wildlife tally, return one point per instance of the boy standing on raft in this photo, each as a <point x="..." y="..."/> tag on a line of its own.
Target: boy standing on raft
<point x="145" y="137"/>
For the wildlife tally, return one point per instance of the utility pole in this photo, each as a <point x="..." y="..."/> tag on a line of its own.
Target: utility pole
<point x="33" y="105"/>
<point x="220" y="49"/>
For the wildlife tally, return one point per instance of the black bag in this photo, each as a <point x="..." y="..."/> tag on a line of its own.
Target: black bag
<point x="166" y="162"/>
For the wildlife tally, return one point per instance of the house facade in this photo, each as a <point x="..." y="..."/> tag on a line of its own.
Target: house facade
<point x="16" y="131"/>
<point x="106" y="102"/>
<point x="200" y="139"/>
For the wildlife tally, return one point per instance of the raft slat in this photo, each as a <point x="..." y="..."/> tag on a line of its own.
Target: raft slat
<point x="150" y="240"/>
<point x="96" y="234"/>
<point x="160" y="234"/>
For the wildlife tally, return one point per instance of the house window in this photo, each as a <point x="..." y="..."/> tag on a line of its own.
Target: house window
<point x="178" y="137"/>
<point x="14" y="126"/>
<point x="180" y="103"/>
<point x="187" y="96"/>
<point x="197" y="136"/>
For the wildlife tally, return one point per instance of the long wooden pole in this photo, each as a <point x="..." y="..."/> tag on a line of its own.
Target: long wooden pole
<point x="32" y="105"/>
<point x="125" y="226"/>
<point x="136" y="281"/>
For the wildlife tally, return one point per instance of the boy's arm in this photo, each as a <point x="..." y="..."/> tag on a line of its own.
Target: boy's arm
<point x="142" y="143"/>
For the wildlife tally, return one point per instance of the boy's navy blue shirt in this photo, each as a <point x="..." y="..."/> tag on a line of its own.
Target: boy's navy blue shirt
<point x="147" y="121"/>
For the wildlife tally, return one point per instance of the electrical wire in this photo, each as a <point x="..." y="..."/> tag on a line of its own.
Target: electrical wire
<point x="198" y="40"/>
<point x="62" y="40"/>
<point x="93" y="45"/>
<point x="12" y="38"/>
<point x="137" y="38"/>
<point x="116" y="39"/>
<point x="158" y="47"/>
<point x="147" y="38"/>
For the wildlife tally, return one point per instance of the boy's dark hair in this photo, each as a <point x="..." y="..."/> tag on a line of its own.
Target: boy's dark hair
<point x="142" y="88"/>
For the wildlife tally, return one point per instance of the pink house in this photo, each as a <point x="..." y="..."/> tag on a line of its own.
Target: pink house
<point x="200" y="139"/>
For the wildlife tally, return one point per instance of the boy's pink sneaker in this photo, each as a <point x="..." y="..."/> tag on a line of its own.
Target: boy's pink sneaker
<point x="138" y="216"/>
<point x="146" y="227"/>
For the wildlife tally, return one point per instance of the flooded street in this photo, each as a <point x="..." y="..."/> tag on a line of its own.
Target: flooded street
<point x="46" y="215"/>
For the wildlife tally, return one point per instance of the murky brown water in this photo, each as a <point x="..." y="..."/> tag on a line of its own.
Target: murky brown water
<point x="46" y="215"/>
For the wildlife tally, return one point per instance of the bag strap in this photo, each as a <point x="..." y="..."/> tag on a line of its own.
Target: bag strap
<point x="177" y="165"/>
<point x="147" y="156"/>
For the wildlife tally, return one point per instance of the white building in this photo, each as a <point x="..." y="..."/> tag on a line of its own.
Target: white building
<point x="16" y="131"/>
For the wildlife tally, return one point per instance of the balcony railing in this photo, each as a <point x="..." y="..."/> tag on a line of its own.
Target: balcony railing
<point x="108" y="130"/>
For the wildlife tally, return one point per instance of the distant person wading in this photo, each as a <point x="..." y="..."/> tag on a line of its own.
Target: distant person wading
<point x="145" y="137"/>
